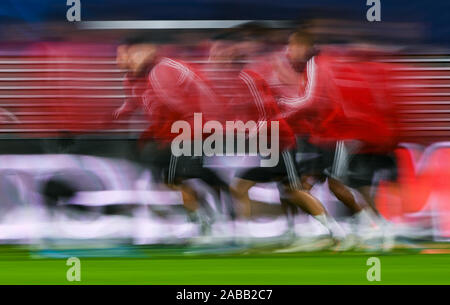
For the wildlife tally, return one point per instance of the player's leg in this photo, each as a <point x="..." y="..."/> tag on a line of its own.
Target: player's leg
<point x="336" y="164"/>
<point x="180" y="171"/>
<point x="366" y="193"/>
<point x="303" y="199"/>
<point x="306" y="202"/>
<point x="308" y="181"/>
<point x="312" y="206"/>
<point x="239" y="190"/>
<point x="364" y="168"/>
<point x="191" y="167"/>
<point x="308" y="163"/>
<point x="221" y="191"/>
<point x="344" y="195"/>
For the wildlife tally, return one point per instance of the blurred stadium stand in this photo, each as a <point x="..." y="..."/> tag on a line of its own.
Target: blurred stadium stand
<point x="58" y="88"/>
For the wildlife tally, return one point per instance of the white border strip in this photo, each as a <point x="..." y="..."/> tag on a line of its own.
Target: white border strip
<point x="161" y="24"/>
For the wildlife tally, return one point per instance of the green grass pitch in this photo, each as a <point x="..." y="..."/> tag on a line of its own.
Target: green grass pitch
<point x="18" y="266"/>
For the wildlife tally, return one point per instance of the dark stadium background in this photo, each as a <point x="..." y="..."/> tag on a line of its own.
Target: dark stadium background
<point x="434" y="14"/>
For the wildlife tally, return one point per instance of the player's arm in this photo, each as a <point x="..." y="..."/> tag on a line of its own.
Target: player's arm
<point x="293" y="105"/>
<point x="128" y="107"/>
<point x="167" y="80"/>
<point x="130" y="104"/>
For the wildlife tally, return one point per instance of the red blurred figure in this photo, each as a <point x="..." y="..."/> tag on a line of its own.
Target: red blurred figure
<point x="309" y="95"/>
<point x="253" y="100"/>
<point x="168" y="91"/>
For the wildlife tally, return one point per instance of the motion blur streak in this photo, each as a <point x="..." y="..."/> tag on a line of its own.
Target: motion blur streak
<point x="85" y="125"/>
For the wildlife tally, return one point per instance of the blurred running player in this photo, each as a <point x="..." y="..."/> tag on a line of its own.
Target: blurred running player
<point x="168" y="90"/>
<point x="365" y="93"/>
<point x="301" y="80"/>
<point x="253" y="101"/>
